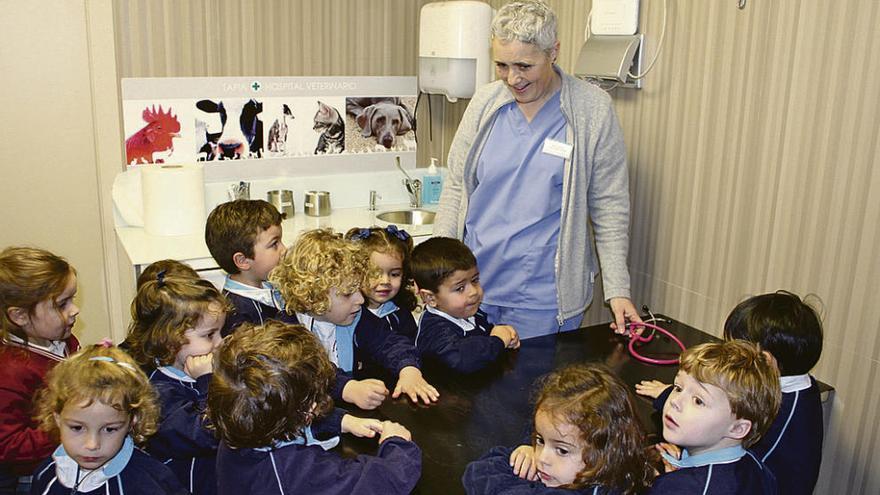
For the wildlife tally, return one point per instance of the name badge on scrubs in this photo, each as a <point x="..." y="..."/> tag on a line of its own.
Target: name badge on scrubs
<point x="557" y="148"/>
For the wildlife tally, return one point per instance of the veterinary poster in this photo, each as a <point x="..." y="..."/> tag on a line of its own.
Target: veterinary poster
<point x="255" y="121"/>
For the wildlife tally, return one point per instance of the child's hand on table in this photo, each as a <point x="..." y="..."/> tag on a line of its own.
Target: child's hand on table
<point x="392" y="429"/>
<point x="651" y="388"/>
<point x="196" y="366"/>
<point x="524" y="463"/>
<point x="366" y="394"/>
<point x="361" y="427"/>
<point x="412" y="384"/>
<point x="507" y="334"/>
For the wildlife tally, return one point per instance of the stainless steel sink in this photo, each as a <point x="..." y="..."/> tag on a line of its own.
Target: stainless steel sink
<point x="407" y="217"/>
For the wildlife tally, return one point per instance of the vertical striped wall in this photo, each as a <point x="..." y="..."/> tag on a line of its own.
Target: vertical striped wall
<point x="753" y="150"/>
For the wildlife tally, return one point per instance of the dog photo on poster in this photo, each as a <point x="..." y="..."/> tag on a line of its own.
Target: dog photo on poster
<point x="184" y="120"/>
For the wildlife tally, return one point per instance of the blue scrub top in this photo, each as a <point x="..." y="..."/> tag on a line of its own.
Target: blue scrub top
<point x="513" y="218"/>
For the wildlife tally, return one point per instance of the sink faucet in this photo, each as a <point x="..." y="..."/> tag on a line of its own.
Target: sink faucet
<point x="413" y="187"/>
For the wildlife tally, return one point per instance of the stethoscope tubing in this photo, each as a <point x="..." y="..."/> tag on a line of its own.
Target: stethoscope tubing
<point x="636" y="338"/>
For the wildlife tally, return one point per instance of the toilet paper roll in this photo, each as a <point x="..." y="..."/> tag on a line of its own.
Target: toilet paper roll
<point x="174" y="199"/>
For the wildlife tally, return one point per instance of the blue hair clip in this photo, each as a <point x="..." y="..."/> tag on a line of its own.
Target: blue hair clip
<point x="399" y="233"/>
<point x="160" y="278"/>
<point x="361" y="234"/>
<point x="109" y="359"/>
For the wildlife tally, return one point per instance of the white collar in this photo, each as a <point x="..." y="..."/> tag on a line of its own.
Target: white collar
<point x="71" y="475"/>
<point x="795" y="383"/>
<point x="466" y="324"/>
<point x="326" y="333"/>
<point x="267" y="294"/>
<point x="177" y="374"/>
<point x="56" y="347"/>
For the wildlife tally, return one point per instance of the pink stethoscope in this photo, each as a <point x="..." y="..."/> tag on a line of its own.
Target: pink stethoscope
<point x="636" y="338"/>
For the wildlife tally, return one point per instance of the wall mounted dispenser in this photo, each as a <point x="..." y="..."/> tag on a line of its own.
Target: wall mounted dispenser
<point x="454" y="48"/>
<point x="611" y="58"/>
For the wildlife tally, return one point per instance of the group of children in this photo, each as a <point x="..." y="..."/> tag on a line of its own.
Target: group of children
<point x="235" y="390"/>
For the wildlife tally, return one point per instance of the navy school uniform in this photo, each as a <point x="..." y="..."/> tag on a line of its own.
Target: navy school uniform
<point x="731" y="471"/>
<point x="183" y="441"/>
<point x="253" y="305"/>
<point x="367" y="343"/>
<point x="792" y="446"/>
<point x="493" y="474"/>
<point x="298" y="468"/>
<point x="461" y="345"/>
<point x="131" y="472"/>
<point x="400" y="321"/>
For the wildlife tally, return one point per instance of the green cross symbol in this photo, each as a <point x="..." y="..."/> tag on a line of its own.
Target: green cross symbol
<point x="255" y="86"/>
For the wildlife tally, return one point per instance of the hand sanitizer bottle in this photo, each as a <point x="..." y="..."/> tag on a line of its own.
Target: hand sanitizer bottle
<point x="432" y="184"/>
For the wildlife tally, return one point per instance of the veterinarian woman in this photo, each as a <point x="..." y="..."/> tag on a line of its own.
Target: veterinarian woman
<point x="538" y="153"/>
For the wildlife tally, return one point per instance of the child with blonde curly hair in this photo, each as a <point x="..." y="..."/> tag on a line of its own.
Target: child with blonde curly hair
<point x="389" y="294"/>
<point x="321" y="278"/>
<point x="37" y="314"/>
<point x="587" y="439"/>
<point x="100" y="404"/>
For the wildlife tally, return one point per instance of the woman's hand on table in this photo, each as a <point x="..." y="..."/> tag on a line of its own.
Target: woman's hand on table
<point x="624" y="311"/>
<point x="412" y="384"/>
<point x="361" y="427"/>
<point x="651" y="388"/>
<point x="366" y="394"/>
<point x="524" y="463"/>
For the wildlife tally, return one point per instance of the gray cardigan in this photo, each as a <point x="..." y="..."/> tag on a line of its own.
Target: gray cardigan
<point x="595" y="189"/>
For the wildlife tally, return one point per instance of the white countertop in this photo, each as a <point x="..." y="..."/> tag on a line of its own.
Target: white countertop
<point x="144" y="249"/>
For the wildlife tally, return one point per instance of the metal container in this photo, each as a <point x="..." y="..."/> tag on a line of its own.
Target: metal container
<point x="317" y="203"/>
<point x="282" y="200"/>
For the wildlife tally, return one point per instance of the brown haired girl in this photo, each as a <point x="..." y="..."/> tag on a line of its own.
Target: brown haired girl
<point x="587" y="439"/>
<point x="37" y="314"/>
<point x="389" y="294"/>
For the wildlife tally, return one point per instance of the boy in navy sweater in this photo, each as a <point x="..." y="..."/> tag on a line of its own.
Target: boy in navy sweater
<point x="269" y="385"/>
<point x="790" y="330"/>
<point x="244" y="238"/>
<point x="724" y="398"/>
<point x="453" y="330"/>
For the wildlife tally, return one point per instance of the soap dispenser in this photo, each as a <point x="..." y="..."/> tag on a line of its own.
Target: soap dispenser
<point x="432" y="184"/>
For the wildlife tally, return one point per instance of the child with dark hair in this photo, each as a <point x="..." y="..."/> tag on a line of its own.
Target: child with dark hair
<point x="100" y="404"/>
<point x="244" y="238"/>
<point x="453" y="330"/>
<point x="389" y="295"/>
<point x="587" y="439"/>
<point x="790" y="330"/>
<point x="724" y="398"/>
<point x="270" y="384"/>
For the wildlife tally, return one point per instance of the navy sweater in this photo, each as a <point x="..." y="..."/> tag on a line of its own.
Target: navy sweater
<point x="792" y="446"/>
<point x="376" y="345"/>
<point x="457" y="349"/>
<point x="250" y="310"/>
<point x="492" y="474"/>
<point x="183" y="441"/>
<point x="395" y="469"/>
<point x="747" y="476"/>
<point x="143" y="475"/>
<point x="401" y="322"/>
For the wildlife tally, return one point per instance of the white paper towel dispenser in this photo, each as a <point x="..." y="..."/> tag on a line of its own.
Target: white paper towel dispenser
<point x="454" y="48"/>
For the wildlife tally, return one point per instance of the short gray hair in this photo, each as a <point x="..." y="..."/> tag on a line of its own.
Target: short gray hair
<point x="526" y="21"/>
